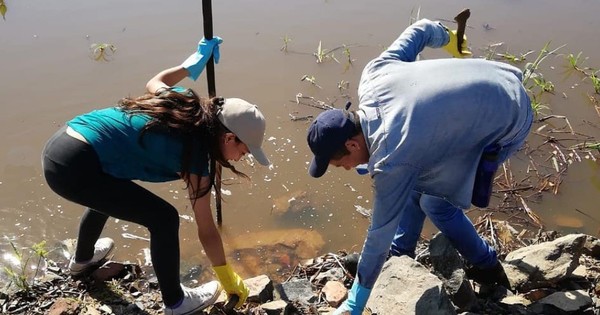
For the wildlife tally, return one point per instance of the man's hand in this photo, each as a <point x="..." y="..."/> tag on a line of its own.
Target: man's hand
<point x="452" y="46"/>
<point x="196" y="62"/>
<point x="356" y="302"/>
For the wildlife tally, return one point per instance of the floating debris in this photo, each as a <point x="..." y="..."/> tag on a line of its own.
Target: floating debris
<point x="363" y="211"/>
<point x="135" y="237"/>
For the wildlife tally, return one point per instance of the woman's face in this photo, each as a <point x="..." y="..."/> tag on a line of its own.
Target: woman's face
<point x="232" y="148"/>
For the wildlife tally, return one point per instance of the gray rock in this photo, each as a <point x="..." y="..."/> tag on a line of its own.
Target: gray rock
<point x="407" y="287"/>
<point x="544" y="264"/>
<point x="275" y="307"/>
<point x="448" y="265"/>
<point x="300" y="291"/>
<point x="261" y="289"/>
<point x="570" y="301"/>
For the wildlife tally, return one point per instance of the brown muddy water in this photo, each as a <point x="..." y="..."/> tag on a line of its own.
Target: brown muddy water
<point x="47" y="76"/>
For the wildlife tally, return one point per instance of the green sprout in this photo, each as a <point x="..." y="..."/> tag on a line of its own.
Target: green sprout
<point x="102" y="51"/>
<point x="514" y="58"/>
<point x="320" y="53"/>
<point x="575" y="61"/>
<point x="3" y="9"/>
<point x="546" y="86"/>
<point x="40" y="250"/>
<point x="491" y="51"/>
<point x="20" y="277"/>
<point x="532" y="67"/>
<point x="286" y="41"/>
<point x="310" y="79"/>
<point x="593" y="146"/>
<point x="349" y="60"/>
<point x="323" y="54"/>
<point x="347" y="54"/>
<point x="343" y="85"/>
<point x="595" y="101"/>
<point x="537" y="106"/>
<point x="595" y="81"/>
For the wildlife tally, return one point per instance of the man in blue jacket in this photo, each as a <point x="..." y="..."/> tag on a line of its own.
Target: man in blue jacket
<point x="432" y="133"/>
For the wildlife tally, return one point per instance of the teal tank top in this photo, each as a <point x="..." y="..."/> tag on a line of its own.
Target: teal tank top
<point x="114" y="134"/>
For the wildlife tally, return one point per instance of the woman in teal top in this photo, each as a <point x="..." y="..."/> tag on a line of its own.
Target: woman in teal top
<point x="167" y="134"/>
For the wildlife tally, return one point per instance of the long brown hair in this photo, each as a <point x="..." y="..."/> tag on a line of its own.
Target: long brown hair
<point x="193" y="118"/>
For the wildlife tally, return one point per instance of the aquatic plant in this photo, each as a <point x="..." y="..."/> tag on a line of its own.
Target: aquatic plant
<point x="575" y="62"/>
<point x="545" y="86"/>
<point x="19" y="276"/>
<point x="40" y="250"/>
<point x="514" y="58"/>
<point x="595" y="81"/>
<point x="537" y="106"/>
<point x="311" y="79"/>
<point x="320" y="53"/>
<point x="3" y="9"/>
<point x="343" y="85"/>
<point x="532" y="67"/>
<point x="286" y="41"/>
<point x="323" y="54"/>
<point x="102" y="51"/>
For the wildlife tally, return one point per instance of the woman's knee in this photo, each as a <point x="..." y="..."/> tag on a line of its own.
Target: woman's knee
<point x="166" y="219"/>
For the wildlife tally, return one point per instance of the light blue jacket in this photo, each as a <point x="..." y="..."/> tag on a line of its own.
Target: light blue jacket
<point x="426" y="124"/>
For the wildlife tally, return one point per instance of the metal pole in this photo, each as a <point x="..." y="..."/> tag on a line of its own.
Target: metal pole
<point x="212" y="92"/>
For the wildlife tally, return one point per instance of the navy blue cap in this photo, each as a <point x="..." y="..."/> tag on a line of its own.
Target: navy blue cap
<point x="326" y="135"/>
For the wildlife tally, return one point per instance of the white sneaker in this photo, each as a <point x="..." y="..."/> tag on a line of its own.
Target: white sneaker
<point x="102" y="248"/>
<point x="196" y="299"/>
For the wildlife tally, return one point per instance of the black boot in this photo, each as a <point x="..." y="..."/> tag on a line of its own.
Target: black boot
<point x="351" y="263"/>
<point x="489" y="276"/>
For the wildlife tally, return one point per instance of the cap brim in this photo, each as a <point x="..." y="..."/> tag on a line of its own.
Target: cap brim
<point x="260" y="156"/>
<point x="318" y="166"/>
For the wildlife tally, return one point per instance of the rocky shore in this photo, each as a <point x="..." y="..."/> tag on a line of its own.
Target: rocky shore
<point x="551" y="275"/>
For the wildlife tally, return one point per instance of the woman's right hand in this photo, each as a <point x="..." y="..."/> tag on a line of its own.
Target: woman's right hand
<point x="232" y="283"/>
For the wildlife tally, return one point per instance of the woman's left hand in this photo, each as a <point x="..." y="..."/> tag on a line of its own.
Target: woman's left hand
<point x="197" y="61"/>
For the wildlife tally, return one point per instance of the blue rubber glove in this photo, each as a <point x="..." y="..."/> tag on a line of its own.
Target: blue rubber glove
<point x="356" y="302"/>
<point x="196" y="63"/>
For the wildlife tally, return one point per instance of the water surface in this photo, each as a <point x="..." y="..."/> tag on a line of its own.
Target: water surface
<point x="47" y="76"/>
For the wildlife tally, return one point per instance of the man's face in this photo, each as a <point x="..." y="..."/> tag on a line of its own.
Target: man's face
<point x="347" y="162"/>
<point x="358" y="155"/>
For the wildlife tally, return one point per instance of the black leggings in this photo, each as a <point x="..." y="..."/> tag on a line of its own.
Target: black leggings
<point x="73" y="171"/>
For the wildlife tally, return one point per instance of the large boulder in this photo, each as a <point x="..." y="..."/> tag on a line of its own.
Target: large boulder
<point x="407" y="287"/>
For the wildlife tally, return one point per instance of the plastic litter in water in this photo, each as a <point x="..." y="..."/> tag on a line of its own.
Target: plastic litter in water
<point x="363" y="211"/>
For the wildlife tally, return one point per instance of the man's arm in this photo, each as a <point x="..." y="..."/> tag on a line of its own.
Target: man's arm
<point x="391" y="190"/>
<point x="421" y="34"/>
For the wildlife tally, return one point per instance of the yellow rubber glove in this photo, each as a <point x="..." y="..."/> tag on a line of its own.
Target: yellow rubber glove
<point x="452" y="46"/>
<point x="232" y="283"/>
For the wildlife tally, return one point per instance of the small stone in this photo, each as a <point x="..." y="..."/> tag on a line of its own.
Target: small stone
<point x="335" y="293"/>
<point x="64" y="306"/>
<point x="275" y="308"/>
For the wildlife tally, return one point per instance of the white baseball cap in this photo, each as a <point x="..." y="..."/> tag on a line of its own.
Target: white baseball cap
<point x="247" y="123"/>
